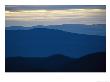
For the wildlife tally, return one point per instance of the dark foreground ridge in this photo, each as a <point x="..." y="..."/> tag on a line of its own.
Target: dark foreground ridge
<point x="95" y="62"/>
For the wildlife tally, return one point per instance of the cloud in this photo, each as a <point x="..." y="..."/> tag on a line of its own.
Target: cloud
<point x="51" y="7"/>
<point x="63" y="15"/>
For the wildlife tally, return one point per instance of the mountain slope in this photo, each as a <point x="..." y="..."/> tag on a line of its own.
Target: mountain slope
<point x="95" y="62"/>
<point x="41" y="42"/>
<point x="96" y="29"/>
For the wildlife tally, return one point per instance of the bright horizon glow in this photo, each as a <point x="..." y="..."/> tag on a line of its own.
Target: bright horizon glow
<point x="55" y="17"/>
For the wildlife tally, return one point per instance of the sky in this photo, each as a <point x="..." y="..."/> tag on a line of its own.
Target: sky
<point x="29" y="15"/>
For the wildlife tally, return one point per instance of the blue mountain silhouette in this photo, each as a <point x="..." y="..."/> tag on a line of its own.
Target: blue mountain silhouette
<point x="43" y="42"/>
<point x="95" y="29"/>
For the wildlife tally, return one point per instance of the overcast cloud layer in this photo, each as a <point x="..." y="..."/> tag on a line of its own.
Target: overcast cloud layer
<point x="53" y="15"/>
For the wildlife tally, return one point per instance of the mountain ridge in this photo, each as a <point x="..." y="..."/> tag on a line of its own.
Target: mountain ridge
<point x="88" y="63"/>
<point x="97" y="29"/>
<point x="48" y="41"/>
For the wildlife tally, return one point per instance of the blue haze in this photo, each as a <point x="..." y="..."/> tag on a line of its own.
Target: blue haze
<point x="41" y="42"/>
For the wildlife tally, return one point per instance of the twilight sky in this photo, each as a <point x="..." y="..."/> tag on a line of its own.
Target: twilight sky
<point x="28" y="15"/>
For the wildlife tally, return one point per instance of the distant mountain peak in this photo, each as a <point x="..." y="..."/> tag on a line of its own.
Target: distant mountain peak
<point x="95" y="29"/>
<point x="59" y="57"/>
